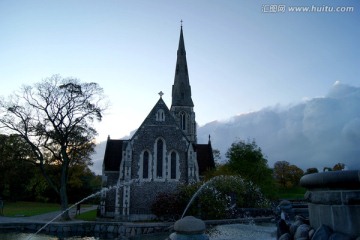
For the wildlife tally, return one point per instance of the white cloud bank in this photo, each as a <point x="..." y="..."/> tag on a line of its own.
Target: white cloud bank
<point x="319" y="132"/>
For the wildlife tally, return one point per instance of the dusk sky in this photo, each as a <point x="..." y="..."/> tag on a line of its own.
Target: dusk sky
<point x="242" y="55"/>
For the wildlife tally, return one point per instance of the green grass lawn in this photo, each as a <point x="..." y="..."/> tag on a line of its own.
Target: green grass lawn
<point x="87" y="216"/>
<point x="292" y="193"/>
<point x="13" y="209"/>
<point x="27" y="209"/>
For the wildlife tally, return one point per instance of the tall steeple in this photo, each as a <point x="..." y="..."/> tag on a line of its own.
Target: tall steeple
<point x="181" y="90"/>
<point x="182" y="104"/>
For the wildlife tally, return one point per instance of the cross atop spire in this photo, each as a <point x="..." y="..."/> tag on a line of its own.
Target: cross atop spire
<point x="161" y="94"/>
<point x="181" y="21"/>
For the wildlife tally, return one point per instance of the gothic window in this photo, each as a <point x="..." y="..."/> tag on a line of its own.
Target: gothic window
<point x="146" y="164"/>
<point x="177" y="69"/>
<point x="160" y="115"/>
<point x="183" y="121"/>
<point x="173" y="166"/>
<point x="159" y="158"/>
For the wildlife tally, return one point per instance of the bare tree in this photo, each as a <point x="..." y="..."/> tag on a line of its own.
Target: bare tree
<point x="55" y="118"/>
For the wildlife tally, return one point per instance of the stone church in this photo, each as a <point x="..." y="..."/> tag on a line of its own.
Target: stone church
<point x="162" y="153"/>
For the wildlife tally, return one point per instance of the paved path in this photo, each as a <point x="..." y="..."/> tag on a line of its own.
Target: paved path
<point x="46" y="217"/>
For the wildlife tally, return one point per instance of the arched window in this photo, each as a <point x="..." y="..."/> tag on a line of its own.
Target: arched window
<point x="159" y="158"/>
<point x="173" y="166"/>
<point x="183" y="121"/>
<point x="145" y="165"/>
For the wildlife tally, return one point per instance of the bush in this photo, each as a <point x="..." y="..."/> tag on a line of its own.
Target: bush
<point x="167" y="206"/>
<point x="217" y="199"/>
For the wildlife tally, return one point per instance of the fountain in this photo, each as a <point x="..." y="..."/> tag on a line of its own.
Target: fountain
<point x="72" y="206"/>
<point x="333" y="205"/>
<point x="334" y="201"/>
<point x="190" y="227"/>
<point x="186" y="226"/>
<point x="197" y="193"/>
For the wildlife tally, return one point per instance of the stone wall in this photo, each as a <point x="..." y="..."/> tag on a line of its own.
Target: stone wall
<point x="116" y="229"/>
<point x="337" y="209"/>
<point x="144" y="194"/>
<point x="111" y="180"/>
<point x="110" y="229"/>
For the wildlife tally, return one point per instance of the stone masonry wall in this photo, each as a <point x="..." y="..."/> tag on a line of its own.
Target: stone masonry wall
<point x="144" y="194"/>
<point x="109" y="229"/>
<point x="112" y="178"/>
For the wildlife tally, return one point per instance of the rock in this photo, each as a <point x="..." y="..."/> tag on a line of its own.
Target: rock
<point x="284" y="209"/>
<point x="322" y="233"/>
<point x="294" y="226"/>
<point x="285" y="236"/>
<point x="282" y="228"/>
<point x="311" y="233"/>
<point x="339" y="236"/>
<point x="302" y="218"/>
<point x="302" y="232"/>
<point x="285" y="205"/>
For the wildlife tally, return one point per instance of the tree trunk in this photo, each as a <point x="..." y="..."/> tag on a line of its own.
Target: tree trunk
<point x="64" y="202"/>
<point x="63" y="190"/>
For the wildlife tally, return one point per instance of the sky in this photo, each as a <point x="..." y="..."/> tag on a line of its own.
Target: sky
<point x="242" y="56"/>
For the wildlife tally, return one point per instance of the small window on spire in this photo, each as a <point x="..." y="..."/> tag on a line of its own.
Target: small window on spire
<point x="183" y="121"/>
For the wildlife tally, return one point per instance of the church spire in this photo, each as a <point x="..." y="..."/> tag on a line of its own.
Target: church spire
<point x="181" y="90"/>
<point x="182" y="106"/>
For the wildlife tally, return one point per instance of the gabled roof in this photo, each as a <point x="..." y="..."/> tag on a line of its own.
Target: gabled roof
<point x="113" y="154"/>
<point x="150" y="120"/>
<point x="205" y="157"/>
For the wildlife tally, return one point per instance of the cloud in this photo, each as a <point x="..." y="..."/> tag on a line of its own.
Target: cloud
<point x="316" y="133"/>
<point x="351" y="132"/>
<point x="319" y="132"/>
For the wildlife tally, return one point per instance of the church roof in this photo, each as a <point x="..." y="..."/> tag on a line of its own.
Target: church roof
<point x="152" y="119"/>
<point x="113" y="155"/>
<point x="205" y="157"/>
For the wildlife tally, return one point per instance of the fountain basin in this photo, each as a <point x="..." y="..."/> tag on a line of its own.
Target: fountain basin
<point x="334" y="200"/>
